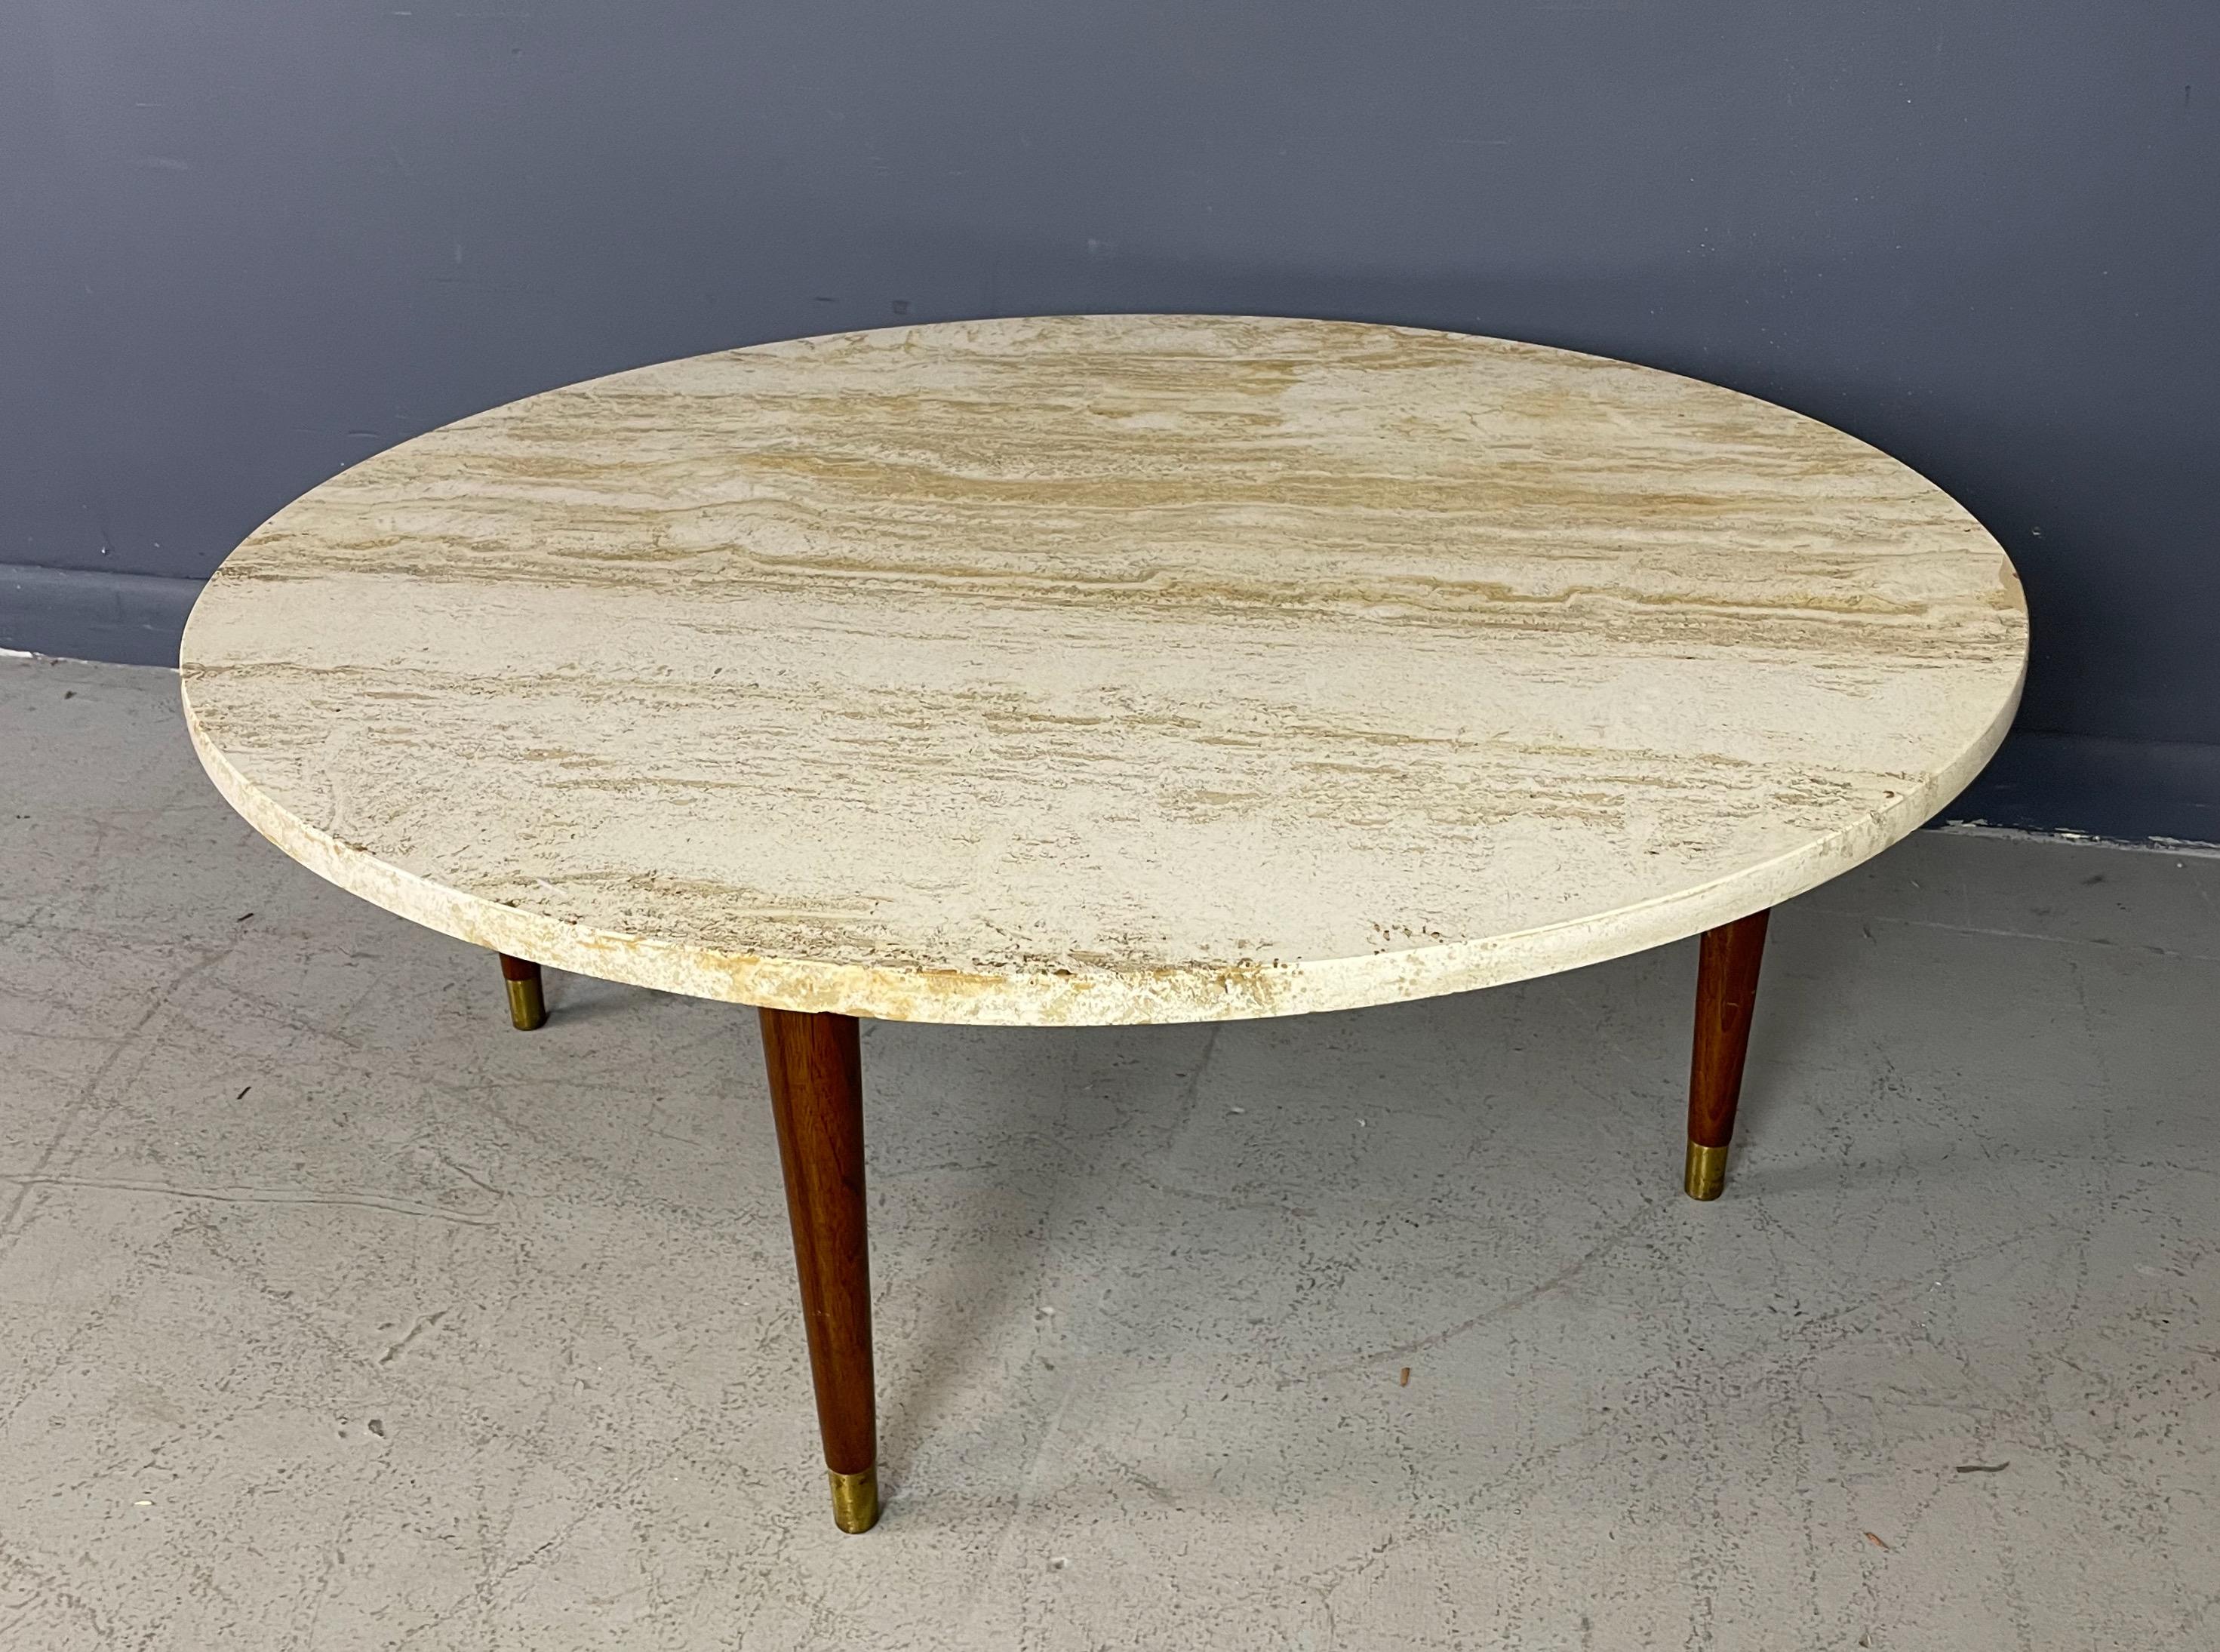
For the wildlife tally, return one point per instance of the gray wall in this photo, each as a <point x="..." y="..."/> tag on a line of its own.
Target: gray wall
<point x="244" y="243"/>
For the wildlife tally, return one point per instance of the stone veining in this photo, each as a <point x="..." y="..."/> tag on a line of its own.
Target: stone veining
<point x="1104" y="668"/>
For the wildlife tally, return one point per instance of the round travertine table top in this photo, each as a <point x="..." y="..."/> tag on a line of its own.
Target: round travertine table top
<point x="1104" y="668"/>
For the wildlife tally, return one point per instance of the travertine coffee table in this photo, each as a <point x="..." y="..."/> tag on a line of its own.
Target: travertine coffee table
<point x="1094" y="670"/>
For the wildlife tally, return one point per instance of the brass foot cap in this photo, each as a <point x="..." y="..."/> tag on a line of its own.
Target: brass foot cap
<point x="527" y="1008"/>
<point x="1706" y="1177"/>
<point x="855" y="1500"/>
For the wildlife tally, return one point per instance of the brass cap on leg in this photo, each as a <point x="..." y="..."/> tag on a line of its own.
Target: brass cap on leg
<point x="527" y="1008"/>
<point x="855" y="1498"/>
<point x="1706" y="1175"/>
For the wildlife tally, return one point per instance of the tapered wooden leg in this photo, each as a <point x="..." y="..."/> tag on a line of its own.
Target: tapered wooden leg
<point x="1726" y="992"/>
<point x="817" y="1098"/>
<point x="527" y="1005"/>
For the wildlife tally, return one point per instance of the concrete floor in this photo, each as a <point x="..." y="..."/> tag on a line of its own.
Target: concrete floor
<point x="335" y="1314"/>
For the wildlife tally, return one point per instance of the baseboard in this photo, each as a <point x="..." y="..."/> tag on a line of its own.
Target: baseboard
<point x="2125" y="791"/>
<point x="89" y="613"/>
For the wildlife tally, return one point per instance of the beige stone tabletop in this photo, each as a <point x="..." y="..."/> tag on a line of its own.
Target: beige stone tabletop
<point x="1104" y="668"/>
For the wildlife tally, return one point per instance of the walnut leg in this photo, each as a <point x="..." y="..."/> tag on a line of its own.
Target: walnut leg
<point x="527" y="1005"/>
<point x="817" y="1098"/>
<point x="1726" y="992"/>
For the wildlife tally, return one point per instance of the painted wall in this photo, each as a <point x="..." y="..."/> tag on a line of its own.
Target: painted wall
<point x="244" y="243"/>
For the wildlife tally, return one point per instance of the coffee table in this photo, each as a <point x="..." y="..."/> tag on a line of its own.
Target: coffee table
<point x="1101" y="669"/>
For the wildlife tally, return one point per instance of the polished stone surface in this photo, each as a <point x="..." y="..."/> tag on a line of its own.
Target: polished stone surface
<point x="1104" y="669"/>
<point x="336" y="1315"/>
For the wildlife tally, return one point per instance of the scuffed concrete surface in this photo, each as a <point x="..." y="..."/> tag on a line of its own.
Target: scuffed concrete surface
<point x="335" y="1314"/>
